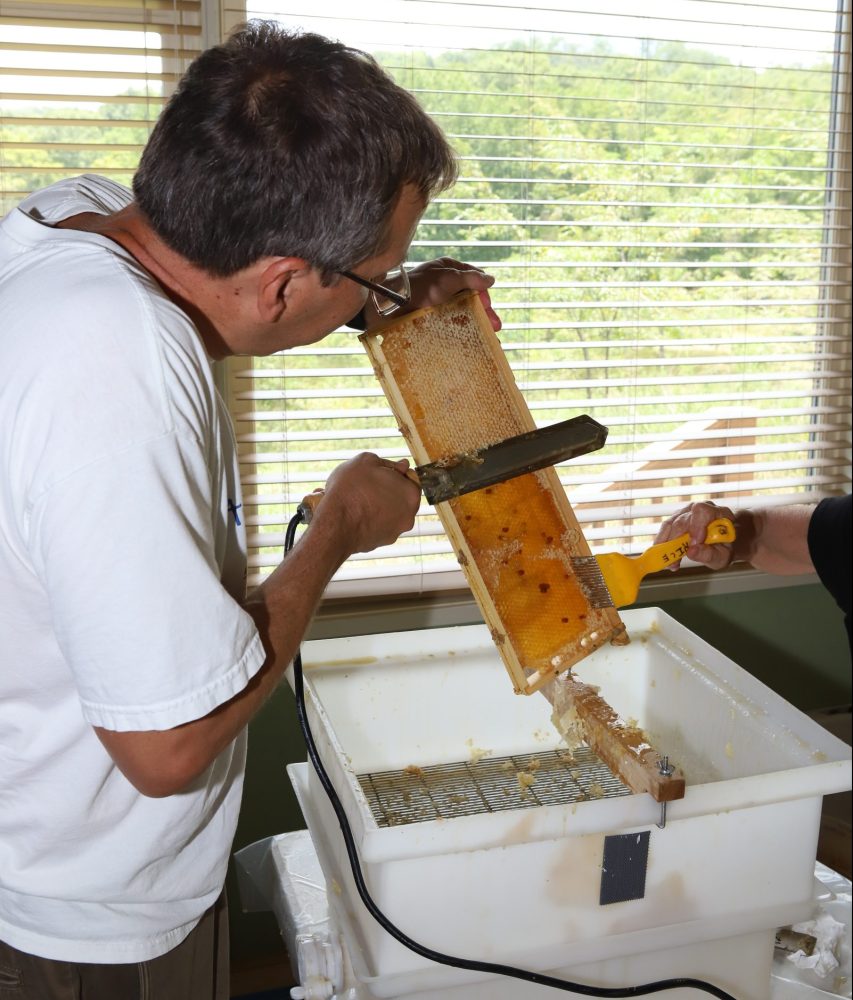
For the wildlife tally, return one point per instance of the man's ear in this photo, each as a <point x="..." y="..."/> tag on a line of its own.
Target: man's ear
<point x="273" y="285"/>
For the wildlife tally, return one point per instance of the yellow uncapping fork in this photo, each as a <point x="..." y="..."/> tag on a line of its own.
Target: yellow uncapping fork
<point x="615" y="579"/>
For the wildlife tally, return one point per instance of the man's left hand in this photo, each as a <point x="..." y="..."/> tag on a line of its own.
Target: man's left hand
<point x="436" y="281"/>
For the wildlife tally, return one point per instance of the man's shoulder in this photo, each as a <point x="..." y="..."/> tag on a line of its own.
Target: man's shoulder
<point x="47" y="264"/>
<point x="83" y="313"/>
<point x="74" y="195"/>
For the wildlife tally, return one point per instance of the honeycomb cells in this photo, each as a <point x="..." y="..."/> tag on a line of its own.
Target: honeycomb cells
<point x="521" y="545"/>
<point x="453" y="392"/>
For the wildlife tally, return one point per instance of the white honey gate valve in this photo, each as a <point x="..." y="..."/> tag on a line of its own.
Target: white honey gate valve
<point x="320" y="965"/>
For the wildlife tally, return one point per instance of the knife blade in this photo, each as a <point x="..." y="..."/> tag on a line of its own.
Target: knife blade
<point x="457" y="475"/>
<point x="495" y="463"/>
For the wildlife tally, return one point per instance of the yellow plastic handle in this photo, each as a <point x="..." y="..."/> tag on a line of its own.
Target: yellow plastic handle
<point x="721" y="530"/>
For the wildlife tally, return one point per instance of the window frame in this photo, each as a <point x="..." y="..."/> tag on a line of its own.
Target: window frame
<point x="454" y="604"/>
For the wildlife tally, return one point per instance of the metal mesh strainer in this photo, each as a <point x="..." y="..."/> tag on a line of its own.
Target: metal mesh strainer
<point x="491" y="784"/>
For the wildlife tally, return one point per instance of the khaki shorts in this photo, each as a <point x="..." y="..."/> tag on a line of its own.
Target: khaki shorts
<point x="196" y="970"/>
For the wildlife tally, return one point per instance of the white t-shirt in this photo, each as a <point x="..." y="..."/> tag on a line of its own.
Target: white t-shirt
<point x="122" y="562"/>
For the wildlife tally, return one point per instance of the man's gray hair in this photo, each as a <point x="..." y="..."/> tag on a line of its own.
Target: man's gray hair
<point x="280" y="143"/>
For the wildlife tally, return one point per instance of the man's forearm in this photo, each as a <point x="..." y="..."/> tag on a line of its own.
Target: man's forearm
<point x="774" y="539"/>
<point x="162" y="763"/>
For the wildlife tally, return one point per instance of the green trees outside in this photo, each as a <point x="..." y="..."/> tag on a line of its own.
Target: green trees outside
<point x="44" y="143"/>
<point x="655" y="224"/>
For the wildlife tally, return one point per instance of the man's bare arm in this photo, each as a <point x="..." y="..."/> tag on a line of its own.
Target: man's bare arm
<point x="368" y="503"/>
<point x="773" y="539"/>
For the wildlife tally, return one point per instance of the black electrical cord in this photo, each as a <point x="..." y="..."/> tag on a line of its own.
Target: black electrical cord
<point x="471" y="965"/>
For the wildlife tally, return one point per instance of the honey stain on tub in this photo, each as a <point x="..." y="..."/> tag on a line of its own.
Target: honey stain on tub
<point x="576" y="873"/>
<point x="667" y="900"/>
<point x="520" y="833"/>
<point x="355" y="661"/>
<point x="670" y="898"/>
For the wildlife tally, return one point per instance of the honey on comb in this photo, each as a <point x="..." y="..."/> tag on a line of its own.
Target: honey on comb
<point x="450" y="386"/>
<point x="525" y="566"/>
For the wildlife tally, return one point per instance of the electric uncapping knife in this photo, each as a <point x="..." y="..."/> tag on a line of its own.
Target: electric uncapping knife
<point x="495" y="463"/>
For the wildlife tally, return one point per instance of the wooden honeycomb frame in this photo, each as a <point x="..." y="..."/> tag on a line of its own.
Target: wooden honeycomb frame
<point x="452" y="391"/>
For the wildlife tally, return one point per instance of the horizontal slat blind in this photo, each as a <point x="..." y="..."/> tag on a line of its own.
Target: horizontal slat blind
<point x="81" y="84"/>
<point x="665" y="202"/>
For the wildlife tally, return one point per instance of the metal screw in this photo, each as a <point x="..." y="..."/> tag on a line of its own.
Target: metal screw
<point x="666" y="769"/>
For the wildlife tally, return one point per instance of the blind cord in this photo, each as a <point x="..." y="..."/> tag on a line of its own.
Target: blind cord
<point x="472" y="965"/>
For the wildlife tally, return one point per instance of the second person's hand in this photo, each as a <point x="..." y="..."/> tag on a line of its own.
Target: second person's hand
<point x="694" y="520"/>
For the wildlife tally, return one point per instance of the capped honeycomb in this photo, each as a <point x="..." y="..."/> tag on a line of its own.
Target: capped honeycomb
<point x="450" y="387"/>
<point x="510" y="530"/>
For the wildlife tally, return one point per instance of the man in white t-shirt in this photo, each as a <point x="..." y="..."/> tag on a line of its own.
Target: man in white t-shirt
<point x="284" y="179"/>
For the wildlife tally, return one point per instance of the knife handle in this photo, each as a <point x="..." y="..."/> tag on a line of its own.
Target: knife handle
<point x="310" y="502"/>
<point x="309" y="505"/>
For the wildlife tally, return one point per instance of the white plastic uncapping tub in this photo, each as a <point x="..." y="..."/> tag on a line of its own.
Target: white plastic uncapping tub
<point x="734" y="861"/>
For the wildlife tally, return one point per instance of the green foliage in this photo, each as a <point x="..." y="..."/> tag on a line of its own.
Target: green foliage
<point x="620" y="200"/>
<point x="42" y="144"/>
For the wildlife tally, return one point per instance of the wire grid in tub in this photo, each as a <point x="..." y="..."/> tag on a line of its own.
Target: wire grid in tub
<point x="491" y="784"/>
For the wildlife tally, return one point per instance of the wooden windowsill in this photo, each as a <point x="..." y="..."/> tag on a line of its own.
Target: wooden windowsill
<point x="364" y="616"/>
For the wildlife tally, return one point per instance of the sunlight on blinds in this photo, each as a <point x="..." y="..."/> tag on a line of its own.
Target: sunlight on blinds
<point x="665" y="202"/>
<point x="81" y="85"/>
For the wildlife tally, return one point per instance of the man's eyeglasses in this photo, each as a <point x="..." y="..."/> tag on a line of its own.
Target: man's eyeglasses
<point x="390" y="296"/>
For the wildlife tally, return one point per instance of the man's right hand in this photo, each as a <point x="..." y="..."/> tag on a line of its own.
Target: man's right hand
<point x="374" y="498"/>
<point x="369" y="502"/>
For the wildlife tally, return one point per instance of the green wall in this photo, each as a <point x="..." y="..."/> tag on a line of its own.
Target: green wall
<point x="791" y="638"/>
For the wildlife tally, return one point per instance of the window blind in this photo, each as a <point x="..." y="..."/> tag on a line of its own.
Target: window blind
<point x="665" y="202"/>
<point x="81" y="84"/>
